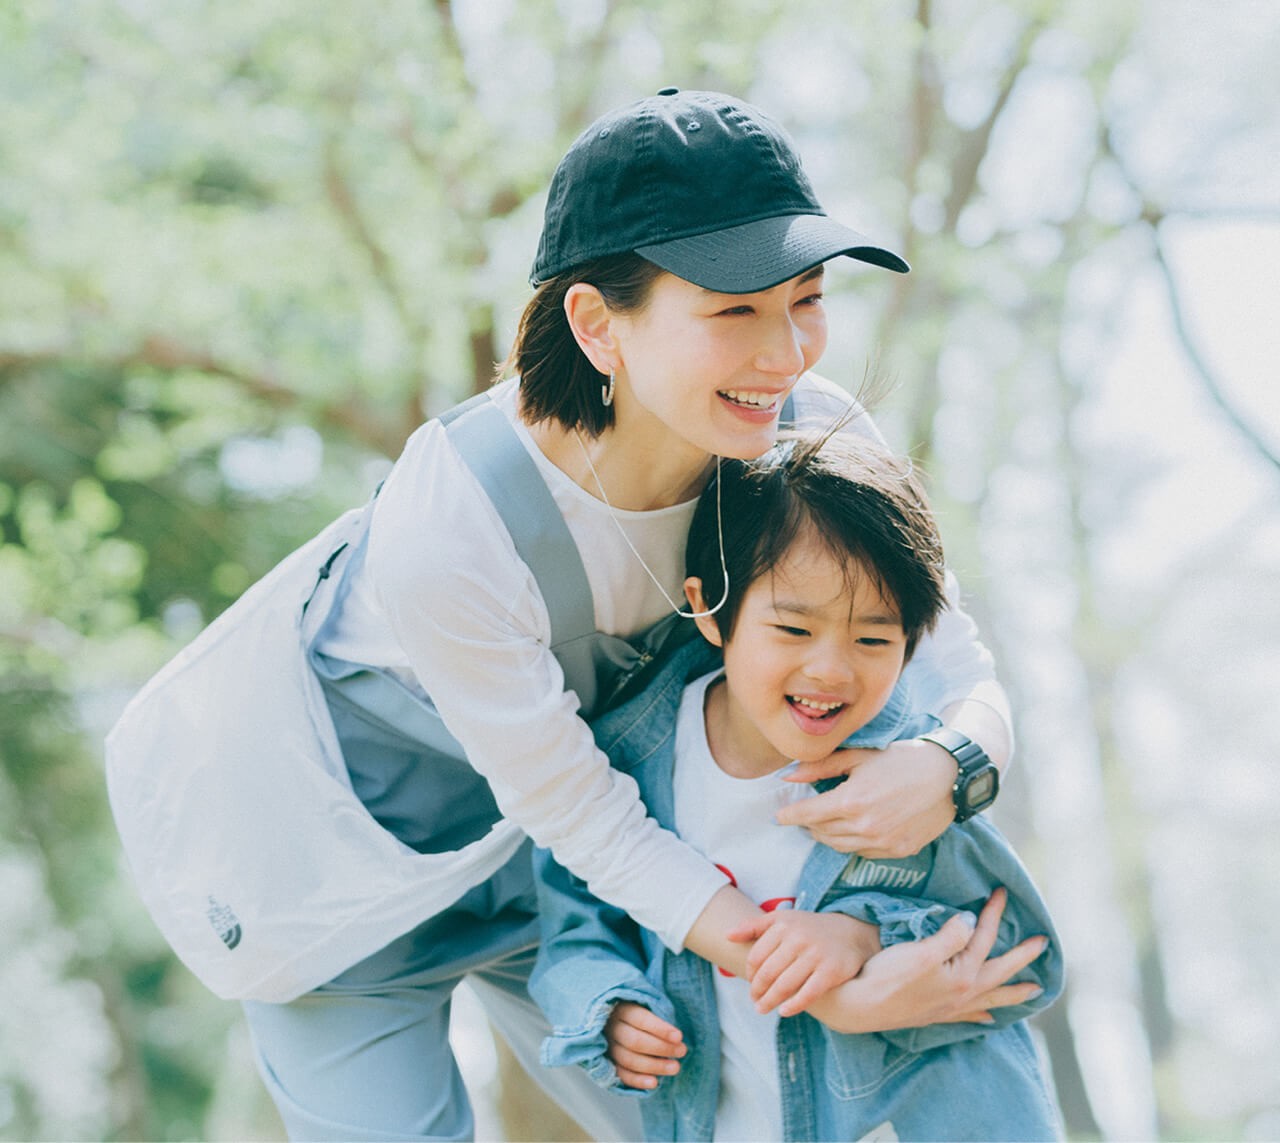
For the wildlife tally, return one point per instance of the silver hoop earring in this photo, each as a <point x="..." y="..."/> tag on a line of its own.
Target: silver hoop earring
<point x="606" y="391"/>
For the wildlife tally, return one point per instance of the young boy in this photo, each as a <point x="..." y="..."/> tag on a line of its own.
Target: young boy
<point x="834" y="571"/>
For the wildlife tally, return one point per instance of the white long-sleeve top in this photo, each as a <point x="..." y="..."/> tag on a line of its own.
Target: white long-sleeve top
<point x="444" y="601"/>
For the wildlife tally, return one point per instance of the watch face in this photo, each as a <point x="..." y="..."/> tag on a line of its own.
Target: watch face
<point x="980" y="790"/>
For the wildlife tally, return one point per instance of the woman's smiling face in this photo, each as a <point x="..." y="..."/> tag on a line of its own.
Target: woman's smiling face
<point x="714" y="369"/>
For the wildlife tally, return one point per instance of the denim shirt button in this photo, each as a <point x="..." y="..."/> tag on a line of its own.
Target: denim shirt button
<point x="791" y="1066"/>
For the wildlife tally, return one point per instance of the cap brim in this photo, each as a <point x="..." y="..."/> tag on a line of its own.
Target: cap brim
<point x="761" y="254"/>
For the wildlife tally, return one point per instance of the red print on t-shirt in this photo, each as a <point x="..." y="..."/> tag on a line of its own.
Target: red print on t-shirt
<point x="768" y="906"/>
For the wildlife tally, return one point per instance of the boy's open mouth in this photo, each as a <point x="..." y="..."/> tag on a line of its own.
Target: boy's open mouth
<point x="810" y="708"/>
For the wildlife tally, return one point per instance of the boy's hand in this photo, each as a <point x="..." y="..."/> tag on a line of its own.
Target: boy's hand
<point x="642" y="1046"/>
<point x="799" y="956"/>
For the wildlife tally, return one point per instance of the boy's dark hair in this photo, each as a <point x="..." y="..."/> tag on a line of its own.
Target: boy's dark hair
<point x="863" y="503"/>
<point x="557" y="382"/>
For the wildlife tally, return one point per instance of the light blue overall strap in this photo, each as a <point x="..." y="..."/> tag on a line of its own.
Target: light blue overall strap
<point x="489" y="444"/>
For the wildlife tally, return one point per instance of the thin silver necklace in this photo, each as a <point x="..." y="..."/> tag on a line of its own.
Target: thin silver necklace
<point x="648" y="570"/>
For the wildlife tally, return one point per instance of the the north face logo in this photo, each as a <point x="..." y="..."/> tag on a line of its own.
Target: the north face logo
<point x="225" y="923"/>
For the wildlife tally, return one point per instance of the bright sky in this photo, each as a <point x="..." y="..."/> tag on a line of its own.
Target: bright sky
<point x="1155" y="400"/>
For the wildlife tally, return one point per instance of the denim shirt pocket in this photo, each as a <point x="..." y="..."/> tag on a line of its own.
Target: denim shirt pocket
<point x="857" y="1067"/>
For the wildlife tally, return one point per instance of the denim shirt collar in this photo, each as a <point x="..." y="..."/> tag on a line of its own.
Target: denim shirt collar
<point x="899" y="718"/>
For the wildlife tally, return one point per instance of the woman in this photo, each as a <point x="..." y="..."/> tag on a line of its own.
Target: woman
<point x="520" y="567"/>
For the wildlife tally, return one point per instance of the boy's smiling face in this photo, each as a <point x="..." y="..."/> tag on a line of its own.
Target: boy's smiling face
<point x="815" y="653"/>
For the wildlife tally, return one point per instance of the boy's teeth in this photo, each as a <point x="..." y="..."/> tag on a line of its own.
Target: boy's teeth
<point x="744" y="397"/>
<point x="823" y="707"/>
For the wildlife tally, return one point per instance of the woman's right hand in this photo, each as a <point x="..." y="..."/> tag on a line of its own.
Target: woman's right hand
<point x="943" y="979"/>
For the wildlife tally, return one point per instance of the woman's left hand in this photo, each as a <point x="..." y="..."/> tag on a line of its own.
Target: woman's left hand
<point x="946" y="978"/>
<point x="894" y="802"/>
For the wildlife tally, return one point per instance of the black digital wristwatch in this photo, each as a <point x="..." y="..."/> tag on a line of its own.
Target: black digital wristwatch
<point x="978" y="781"/>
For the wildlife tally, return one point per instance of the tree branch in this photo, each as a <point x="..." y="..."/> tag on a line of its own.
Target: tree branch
<point x="1208" y="378"/>
<point x="1154" y="217"/>
<point x="977" y="141"/>
<point x="923" y="99"/>
<point x="343" y="199"/>
<point x="158" y="351"/>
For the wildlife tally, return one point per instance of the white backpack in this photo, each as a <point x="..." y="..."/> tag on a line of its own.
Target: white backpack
<point x="259" y="864"/>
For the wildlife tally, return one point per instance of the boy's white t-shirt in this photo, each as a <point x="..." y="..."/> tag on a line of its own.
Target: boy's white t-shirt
<point x="730" y="821"/>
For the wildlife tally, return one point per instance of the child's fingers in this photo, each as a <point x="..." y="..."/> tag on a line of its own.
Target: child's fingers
<point x="635" y="1032"/>
<point x="799" y="986"/>
<point x="782" y="989"/>
<point x="635" y="1079"/>
<point x="818" y="984"/>
<point x="644" y="1043"/>
<point x="642" y="1046"/>
<point x="802" y="982"/>
<point x="766" y="962"/>
<point x="640" y="1018"/>
<point x="752" y="930"/>
<point x="643" y="1063"/>
<point x="766" y="948"/>
<point x="642" y="1071"/>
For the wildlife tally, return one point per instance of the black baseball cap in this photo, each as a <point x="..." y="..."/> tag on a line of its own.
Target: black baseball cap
<point x="704" y="185"/>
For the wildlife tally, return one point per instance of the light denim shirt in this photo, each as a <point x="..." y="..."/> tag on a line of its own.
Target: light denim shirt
<point x="943" y="1081"/>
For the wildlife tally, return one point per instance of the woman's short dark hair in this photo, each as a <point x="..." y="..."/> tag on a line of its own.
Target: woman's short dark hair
<point x="557" y="382"/>
<point x="865" y="505"/>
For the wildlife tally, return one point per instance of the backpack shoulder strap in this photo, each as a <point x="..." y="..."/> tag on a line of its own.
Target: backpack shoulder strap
<point x="489" y="445"/>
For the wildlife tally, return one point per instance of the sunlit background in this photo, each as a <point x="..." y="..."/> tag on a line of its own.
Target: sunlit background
<point x="246" y="246"/>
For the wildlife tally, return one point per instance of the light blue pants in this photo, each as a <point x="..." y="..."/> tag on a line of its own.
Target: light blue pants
<point x="367" y="1056"/>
